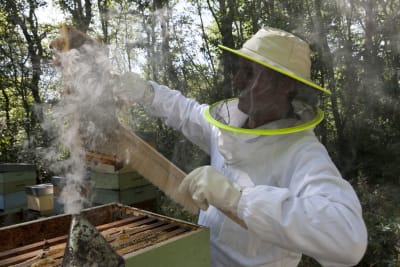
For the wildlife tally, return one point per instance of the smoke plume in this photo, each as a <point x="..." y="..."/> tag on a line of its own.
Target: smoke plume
<point x="82" y="121"/>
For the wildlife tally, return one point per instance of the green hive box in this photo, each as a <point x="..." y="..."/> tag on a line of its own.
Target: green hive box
<point x="14" y="177"/>
<point x="129" y="188"/>
<point x="128" y="196"/>
<point x="117" y="180"/>
<point x="191" y="250"/>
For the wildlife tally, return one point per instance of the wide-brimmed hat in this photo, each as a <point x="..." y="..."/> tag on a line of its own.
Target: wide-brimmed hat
<point x="280" y="51"/>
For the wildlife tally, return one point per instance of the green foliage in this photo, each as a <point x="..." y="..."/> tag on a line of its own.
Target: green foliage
<point x="21" y="54"/>
<point x="382" y="217"/>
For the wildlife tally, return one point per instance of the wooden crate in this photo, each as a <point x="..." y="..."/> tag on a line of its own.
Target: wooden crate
<point x="142" y="238"/>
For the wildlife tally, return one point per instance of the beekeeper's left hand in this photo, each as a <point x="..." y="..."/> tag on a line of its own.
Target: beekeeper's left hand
<point x="209" y="187"/>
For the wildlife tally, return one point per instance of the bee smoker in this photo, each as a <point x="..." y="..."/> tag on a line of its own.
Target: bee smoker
<point x="87" y="247"/>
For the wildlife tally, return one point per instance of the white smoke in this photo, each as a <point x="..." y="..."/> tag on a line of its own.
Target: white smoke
<point x="81" y="121"/>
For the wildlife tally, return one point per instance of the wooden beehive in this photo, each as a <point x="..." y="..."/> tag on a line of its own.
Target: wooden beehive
<point x="41" y="198"/>
<point x="129" y="188"/>
<point x="13" y="179"/>
<point x="141" y="237"/>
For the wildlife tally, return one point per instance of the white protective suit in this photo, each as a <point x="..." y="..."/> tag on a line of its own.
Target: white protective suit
<point x="295" y="201"/>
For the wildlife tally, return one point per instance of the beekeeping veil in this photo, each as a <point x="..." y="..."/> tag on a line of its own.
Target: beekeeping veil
<point x="287" y="54"/>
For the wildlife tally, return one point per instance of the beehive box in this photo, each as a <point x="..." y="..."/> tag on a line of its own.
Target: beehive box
<point x="13" y="179"/>
<point x="40" y="198"/>
<point x="117" y="180"/>
<point x="130" y="196"/>
<point x="122" y="186"/>
<point x="58" y="183"/>
<point x="142" y="238"/>
<point x="13" y="216"/>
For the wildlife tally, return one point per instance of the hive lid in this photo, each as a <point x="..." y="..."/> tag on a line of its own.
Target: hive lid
<point x="58" y="180"/>
<point x="39" y="189"/>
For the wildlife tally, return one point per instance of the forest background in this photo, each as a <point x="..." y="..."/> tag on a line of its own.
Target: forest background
<point x="356" y="54"/>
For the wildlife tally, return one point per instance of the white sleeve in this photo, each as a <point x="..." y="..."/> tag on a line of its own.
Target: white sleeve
<point x="319" y="215"/>
<point x="181" y="113"/>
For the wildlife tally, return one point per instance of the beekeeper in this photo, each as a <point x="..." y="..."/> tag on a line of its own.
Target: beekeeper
<point x="267" y="165"/>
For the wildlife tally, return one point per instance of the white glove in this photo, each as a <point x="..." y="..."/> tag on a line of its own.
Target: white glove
<point x="132" y="88"/>
<point x="207" y="186"/>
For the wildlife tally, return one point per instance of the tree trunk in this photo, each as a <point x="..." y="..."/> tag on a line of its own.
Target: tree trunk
<point x="327" y="62"/>
<point x="81" y="13"/>
<point x="30" y="29"/>
<point x="226" y="21"/>
<point x="103" y="14"/>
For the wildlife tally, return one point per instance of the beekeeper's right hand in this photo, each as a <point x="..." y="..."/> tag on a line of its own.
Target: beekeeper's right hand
<point x="131" y="88"/>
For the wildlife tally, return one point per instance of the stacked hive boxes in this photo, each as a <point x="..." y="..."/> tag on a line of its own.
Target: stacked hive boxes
<point x="122" y="186"/>
<point x="14" y="177"/>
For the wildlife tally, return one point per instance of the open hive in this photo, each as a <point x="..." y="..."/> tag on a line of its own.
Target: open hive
<point x="142" y="238"/>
